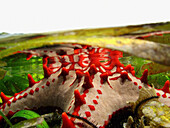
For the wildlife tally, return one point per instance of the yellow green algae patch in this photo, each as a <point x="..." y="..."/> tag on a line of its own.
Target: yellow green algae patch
<point x="148" y="111"/>
<point x="157" y="113"/>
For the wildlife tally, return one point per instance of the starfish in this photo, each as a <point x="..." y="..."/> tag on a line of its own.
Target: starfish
<point x="87" y="83"/>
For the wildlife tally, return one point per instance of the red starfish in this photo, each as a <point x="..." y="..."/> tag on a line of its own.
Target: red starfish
<point x="88" y="83"/>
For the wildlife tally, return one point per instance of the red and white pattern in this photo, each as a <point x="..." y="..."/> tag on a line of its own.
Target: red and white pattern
<point x="84" y="81"/>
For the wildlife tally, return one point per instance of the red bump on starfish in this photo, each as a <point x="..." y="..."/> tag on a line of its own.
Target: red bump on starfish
<point x="67" y="123"/>
<point x="88" y="114"/>
<point x="47" y="83"/>
<point x="29" y="56"/>
<point x="99" y="91"/>
<point x="47" y="72"/>
<point x="164" y="95"/>
<point x="79" y="75"/>
<point x="124" y="76"/>
<point x="20" y="97"/>
<point x="92" y="108"/>
<point x="95" y="102"/>
<point x="14" y="100"/>
<point x="45" y="60"/>
<point x="25" y="95"/>
<point x="9" y="103"/>
<point x="16" y="94"/>
<point x="88" y="81"/>
<point x="104" y="77"/>
<point x="31" y="80"/>
<point x="4" y="98"/>
<point x="144" y="77"/>
<point x="37" y="89"/>
<point x="79" y="99"/>
<point x="130" y="69"/>
<point x="92" y="69"/>
<point x="166" y="87"/>
<point x="31" y="92"/>
<point x="64" y="71"/>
